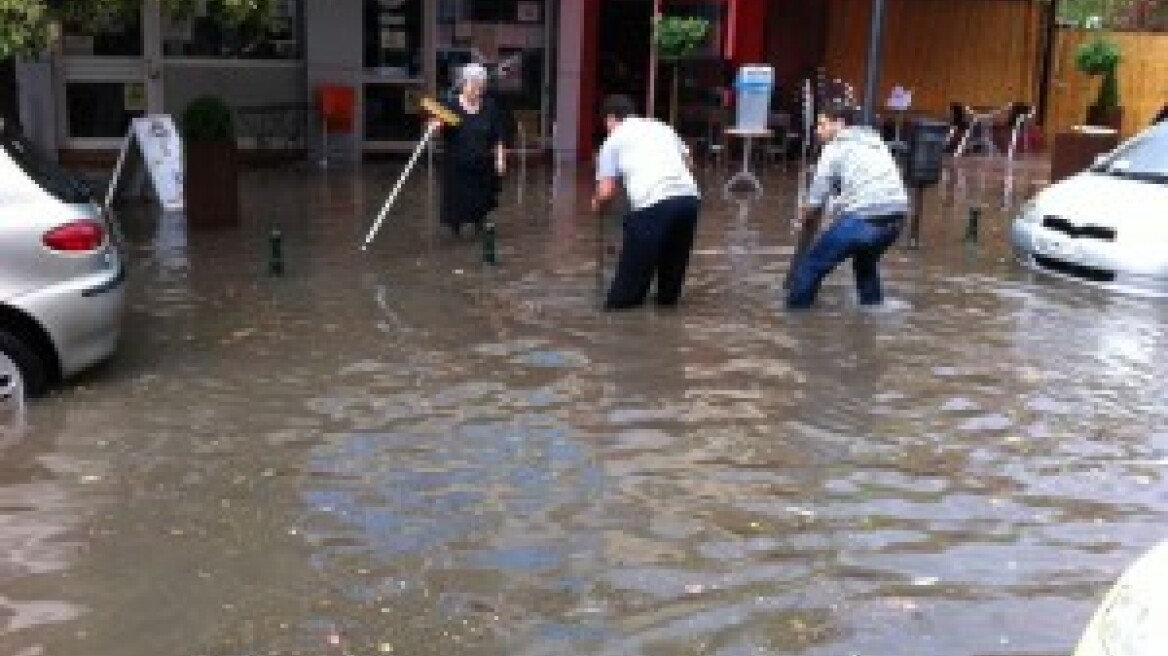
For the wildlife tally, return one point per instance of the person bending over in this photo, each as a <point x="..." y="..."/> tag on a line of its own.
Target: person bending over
<point x="652" y="162"/>
<point x="870" y="205"/>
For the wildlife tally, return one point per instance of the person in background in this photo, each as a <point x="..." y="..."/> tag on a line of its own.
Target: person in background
<point x="652" y="162"/>
<point x="475" y="155"/>
<point x="870" y="202"/>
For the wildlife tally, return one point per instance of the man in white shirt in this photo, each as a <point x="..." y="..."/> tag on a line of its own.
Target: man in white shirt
<point x="653" y="163"/>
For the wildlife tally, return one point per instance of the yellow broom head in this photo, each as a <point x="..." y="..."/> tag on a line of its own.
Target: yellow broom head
<point x="439" y="111"/>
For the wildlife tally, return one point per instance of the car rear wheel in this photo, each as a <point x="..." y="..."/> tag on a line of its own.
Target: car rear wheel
<point x="22" y="372"/>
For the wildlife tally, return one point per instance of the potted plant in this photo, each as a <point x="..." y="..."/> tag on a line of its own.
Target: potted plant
<point x="1101" y="57"/>
<point x="212" y="175"/>
<point x="677" y="37"/>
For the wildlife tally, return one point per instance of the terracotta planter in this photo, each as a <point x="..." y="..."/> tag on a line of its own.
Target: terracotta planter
<point x="211" y="185"/>
<point x="1106" y="117"/>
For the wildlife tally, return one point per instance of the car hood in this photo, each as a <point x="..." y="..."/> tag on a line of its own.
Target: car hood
<point x="1104" y="200"/>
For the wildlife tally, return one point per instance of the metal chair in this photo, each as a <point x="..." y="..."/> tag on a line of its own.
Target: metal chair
<point x="716" y="145"/>
<point x="1020" y="114"/>
<point x="960" y="119"/>
<point x="980" y="134"/>
<point x="784" y="139"/>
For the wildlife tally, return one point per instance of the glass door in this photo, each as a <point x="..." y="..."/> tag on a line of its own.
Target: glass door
<point x="396" y="69"/>
<point x="109" y="72"/>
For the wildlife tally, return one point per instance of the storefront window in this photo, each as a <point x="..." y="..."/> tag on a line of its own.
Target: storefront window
<point x="393" y="38"/>
<point x="391" y="112"/>
<point x="208" y="33"/>
<point x="103" y="110"/>
<point x="114" y="35"/>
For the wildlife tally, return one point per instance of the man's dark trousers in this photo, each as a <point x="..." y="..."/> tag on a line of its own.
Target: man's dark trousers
<point x="864" y="240"/>
<point x="657" y="240"/>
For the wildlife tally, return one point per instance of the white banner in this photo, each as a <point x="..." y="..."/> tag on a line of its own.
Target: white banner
<point x="162" y="151"/>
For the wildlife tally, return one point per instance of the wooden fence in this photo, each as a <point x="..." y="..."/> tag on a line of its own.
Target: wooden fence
<point x="989" y="54"/>
<point x="1143" y="80"/>
<point x="977" y="53"/>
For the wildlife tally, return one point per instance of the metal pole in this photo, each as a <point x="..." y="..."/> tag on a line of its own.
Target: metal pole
<point x="914" y="225"/>
<point x="875" y="59"/>
<point x="1046" y="75"/>
<point x="652" y="93"/>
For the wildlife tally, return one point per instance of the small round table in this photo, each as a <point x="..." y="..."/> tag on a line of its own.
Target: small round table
<point x="744" y="175"/>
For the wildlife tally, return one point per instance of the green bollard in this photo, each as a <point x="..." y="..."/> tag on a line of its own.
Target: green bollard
<point x="490" y="255"/>
<point x="971" y="227"/>
<point x="276" y="252"/>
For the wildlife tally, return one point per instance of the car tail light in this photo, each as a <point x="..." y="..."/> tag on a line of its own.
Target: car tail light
<point x="76" y="237"/>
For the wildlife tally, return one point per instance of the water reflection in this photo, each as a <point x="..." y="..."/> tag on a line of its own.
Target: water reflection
<point x="410" y="452"/>
<point x="42" y="504"/>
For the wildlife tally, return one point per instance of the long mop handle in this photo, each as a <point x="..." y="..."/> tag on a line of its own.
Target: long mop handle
<point x="430" y="131"/>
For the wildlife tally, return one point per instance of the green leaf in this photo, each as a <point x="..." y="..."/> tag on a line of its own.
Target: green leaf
<point x="678" y="36"/>
<point x="25" y="24"/>
<point x="1101" y="56"/>
<point x="207" y="119"/>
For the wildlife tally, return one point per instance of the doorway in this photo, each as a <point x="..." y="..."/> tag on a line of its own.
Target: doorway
<point x="111" y="73"/>
<point x="623" y="49"/>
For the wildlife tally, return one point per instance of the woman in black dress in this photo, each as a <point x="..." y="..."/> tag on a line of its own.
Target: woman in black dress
<point x="475" y="156"/>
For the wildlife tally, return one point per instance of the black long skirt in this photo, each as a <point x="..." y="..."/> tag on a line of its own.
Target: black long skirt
<point x="469" y="193"/>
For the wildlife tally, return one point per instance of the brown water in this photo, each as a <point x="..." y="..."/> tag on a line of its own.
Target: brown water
<point x="407" y="452"/>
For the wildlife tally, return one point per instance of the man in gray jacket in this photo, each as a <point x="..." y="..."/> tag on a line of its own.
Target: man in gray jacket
<point x="870" y="203"/>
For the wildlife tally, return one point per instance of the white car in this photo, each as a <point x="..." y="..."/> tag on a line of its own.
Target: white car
<point x="61" y="275"/>
<point x="1108" y="224"/>
<point x="1131" y="620"/>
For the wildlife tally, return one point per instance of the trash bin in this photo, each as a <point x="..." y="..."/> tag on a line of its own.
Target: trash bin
<point x="926" y="148"/>
<point x="753" y="85"/>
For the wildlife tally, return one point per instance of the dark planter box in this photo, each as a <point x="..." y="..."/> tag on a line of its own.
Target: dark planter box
<point x="1106" y="118"/>
<point x="212" y="185"/>
<point x="1076" y="151"/>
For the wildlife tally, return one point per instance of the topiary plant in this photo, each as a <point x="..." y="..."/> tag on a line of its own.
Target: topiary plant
<point x="208" y="119"/>
<point x="1101" y="57"/>
<point x="677" y="36"/>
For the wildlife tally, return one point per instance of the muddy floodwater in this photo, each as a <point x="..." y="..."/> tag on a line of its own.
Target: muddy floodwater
<point x="405" y="451"/>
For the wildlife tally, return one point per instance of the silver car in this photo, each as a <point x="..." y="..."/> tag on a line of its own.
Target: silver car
<point x="1107" y="225"/>
<point x="61" y="275"/>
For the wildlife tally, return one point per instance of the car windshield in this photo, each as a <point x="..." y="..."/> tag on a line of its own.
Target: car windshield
<point x="46" y="173"/>
<point x="1144" y="157"/>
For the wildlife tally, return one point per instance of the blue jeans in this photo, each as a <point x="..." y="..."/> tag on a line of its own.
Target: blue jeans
<point x="657" y="242"/>
<point x="850" y="236"/>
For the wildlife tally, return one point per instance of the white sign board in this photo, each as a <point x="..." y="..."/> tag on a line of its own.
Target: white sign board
<point x="162" y="150"/>
<point x="161" y="147"/>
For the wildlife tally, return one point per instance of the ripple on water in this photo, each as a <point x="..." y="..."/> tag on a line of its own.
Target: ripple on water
<point x="492" y="463"/>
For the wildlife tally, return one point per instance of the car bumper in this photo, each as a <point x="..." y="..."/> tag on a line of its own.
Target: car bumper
<point x="1102" y="263"/>
<point x="82" y="316"/>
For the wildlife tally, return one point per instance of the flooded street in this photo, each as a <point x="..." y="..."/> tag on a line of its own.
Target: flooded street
<point x="408" y="452"/>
